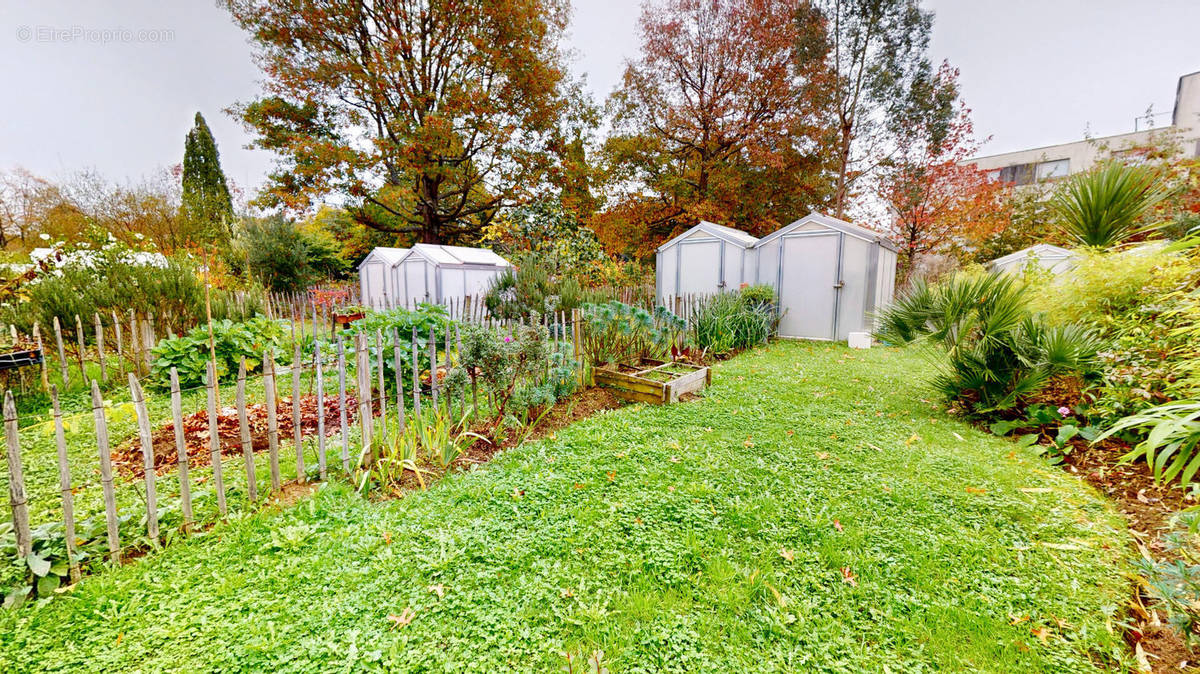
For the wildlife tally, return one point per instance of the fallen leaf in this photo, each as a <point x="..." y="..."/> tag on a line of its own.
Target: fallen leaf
<point x="674" y="459"/>
<point x="848" y="577"/>
<point x="976" y="490"/>
<point x="911" y="439"/>
<point x="787" y="554"/>
<point x="1042" y="634"/>
<point x="1017" y="620"/>
<point x="439" y="590"/>
<point x="518" y="493"/>
<point x="387" y="538"/>
<point x="566" y="593"/>
<point x="822" y="455"/>
<point x="406" y="616"/>
<point x="611" y="475"/>
<point x="748" y="442"/>
<point x="837" y="524"/>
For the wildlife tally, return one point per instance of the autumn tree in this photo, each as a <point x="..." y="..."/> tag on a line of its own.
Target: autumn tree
<point x="936" y="199"/>
<point x="206" y="204"/>
<point x="879" y="70"/>
<point x="714" y="121"/>
<point x="423" y="116"/>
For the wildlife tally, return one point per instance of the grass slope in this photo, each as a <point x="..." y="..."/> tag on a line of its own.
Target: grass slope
<point x="661" y="535"/>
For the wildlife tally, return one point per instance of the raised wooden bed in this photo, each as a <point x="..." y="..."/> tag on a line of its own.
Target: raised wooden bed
<point x="653" y="381"/>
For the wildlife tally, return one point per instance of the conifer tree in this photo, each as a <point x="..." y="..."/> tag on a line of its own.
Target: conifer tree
<point x="206" y="204"/>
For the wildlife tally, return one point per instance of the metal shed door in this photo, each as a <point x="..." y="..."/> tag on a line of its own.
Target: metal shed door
<point x="808" y="267"/>
<point x="699" y="267"/>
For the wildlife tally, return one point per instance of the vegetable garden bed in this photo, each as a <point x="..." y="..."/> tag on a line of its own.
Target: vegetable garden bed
<point x="653" y="381"/>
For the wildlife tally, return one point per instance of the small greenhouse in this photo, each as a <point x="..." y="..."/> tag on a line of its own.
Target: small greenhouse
<point x="830" y="276"/>
<point x="435" y="273"/>
<point x="1043" y="255"/>
<point x="375" y="277"/>
<point x="704" y="260"/>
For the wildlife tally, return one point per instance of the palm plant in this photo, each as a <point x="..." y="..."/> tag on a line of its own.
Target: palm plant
<point x="1172" y="444"/>
<point x="1105" y="206"/>
<point x="996" y="350"/>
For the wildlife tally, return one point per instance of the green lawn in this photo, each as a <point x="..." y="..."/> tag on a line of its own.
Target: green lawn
<point x="705" y="536"/>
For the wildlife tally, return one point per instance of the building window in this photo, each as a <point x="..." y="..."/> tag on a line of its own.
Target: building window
<point x="1017" y="174"/>
<point x="1049" y="170"/>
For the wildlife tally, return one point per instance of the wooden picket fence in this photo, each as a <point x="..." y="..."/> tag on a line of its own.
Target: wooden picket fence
<point x="362" y="359"/>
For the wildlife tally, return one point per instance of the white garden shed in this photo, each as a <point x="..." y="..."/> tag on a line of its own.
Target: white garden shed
<point x="830" y="276"/>
<point x="375" y="276"/>
<point x="1046" y="256"/>
<point x="704" y="260"/>
<point x="435" y="273"/>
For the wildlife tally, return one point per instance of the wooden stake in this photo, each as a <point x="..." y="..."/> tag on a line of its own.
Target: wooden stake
<point x="342" y="415"/>
<point x="320" y="409"/>
<point x="398" y="363"/>
<point x="79" y="338"/>
<point x="16" y="479"/>
<point x="244" y="432"/>
<point x="143" y="422"/>
<point x="416" y="372"/>
<point x="100" y="348"/>
<point x="297" y="432"/>
<point x="382" y="385"/>
<point x="272" y="420"/>
<point x="62" y="358"/>
<point x="214" y="436"/>
<point x="366" y="416"/>
<point x="106" y="478"/>
<point x="120" y="344"/>
<point x="64" y="486"/>
<point x="185" y="484"/>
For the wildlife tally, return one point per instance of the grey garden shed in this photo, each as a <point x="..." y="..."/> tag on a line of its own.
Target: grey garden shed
<point x="435" y="273"/>
<point x="704" y="260"/>
<point x="830" y="276"/>
<point x="375" y="277"/>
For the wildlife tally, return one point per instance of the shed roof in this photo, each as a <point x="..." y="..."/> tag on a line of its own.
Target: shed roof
<point x="831" y="223"/>
<point x="1045" y="251"/>
<point x="456" y="255"/>
<point x="734" y="236"/>
<point x="388" y="256"/>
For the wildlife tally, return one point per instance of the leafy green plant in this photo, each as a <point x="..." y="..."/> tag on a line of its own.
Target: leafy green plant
<point x="996" y="351"/>
<point x="502" y="362"/>
<point x="48" y="566"/>
<point x="727" y="322"/>
<point x="1105" y="206"/>
<point x="189" y="353"/>
<point x="1176" y="582"/>
<point x="533" y="288"/>
<point x="1172" y="433"/>
<point x="615" y="333"/>
<point x="426" y="319"/>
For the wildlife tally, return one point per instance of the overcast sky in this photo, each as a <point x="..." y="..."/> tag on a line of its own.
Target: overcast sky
<point x="113" y="84"/>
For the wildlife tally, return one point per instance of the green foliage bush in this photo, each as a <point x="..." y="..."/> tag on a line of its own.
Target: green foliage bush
<point x="108" y="277"/>
<point x="520" y="370"/>
<point x="189" y="353"/>
<point x="425" y="319"/>
<point x="727" y="322"/>
<point x="614" y="333"/>
<point x="1105" y="206"/>
<point x="532" y="288"/>
<point x="1144" y="304"/>
<point x="997" y="352"/>
<point x="286" y="259"/>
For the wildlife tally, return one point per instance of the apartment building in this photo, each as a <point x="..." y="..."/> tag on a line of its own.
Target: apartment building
<point x="1042" y="164"/>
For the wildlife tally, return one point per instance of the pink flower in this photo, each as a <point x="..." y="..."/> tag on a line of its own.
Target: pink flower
<point x="1064" y="411"/>
<point x="507" y="339"/>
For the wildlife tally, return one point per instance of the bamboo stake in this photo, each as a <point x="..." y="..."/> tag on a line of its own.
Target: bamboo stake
<point x="64" y="486"/>
<point x="244" y="432"/>
<point x="297" y="432"/>
<point x="106" y="478"/>
<point x="214" y="437"/>
<point x="272" y="420"/>
<point x="181" y="455"/>
<point x="16" y="479"/>
<point x="100" y="348"/>
<point x="147" y="441"/>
